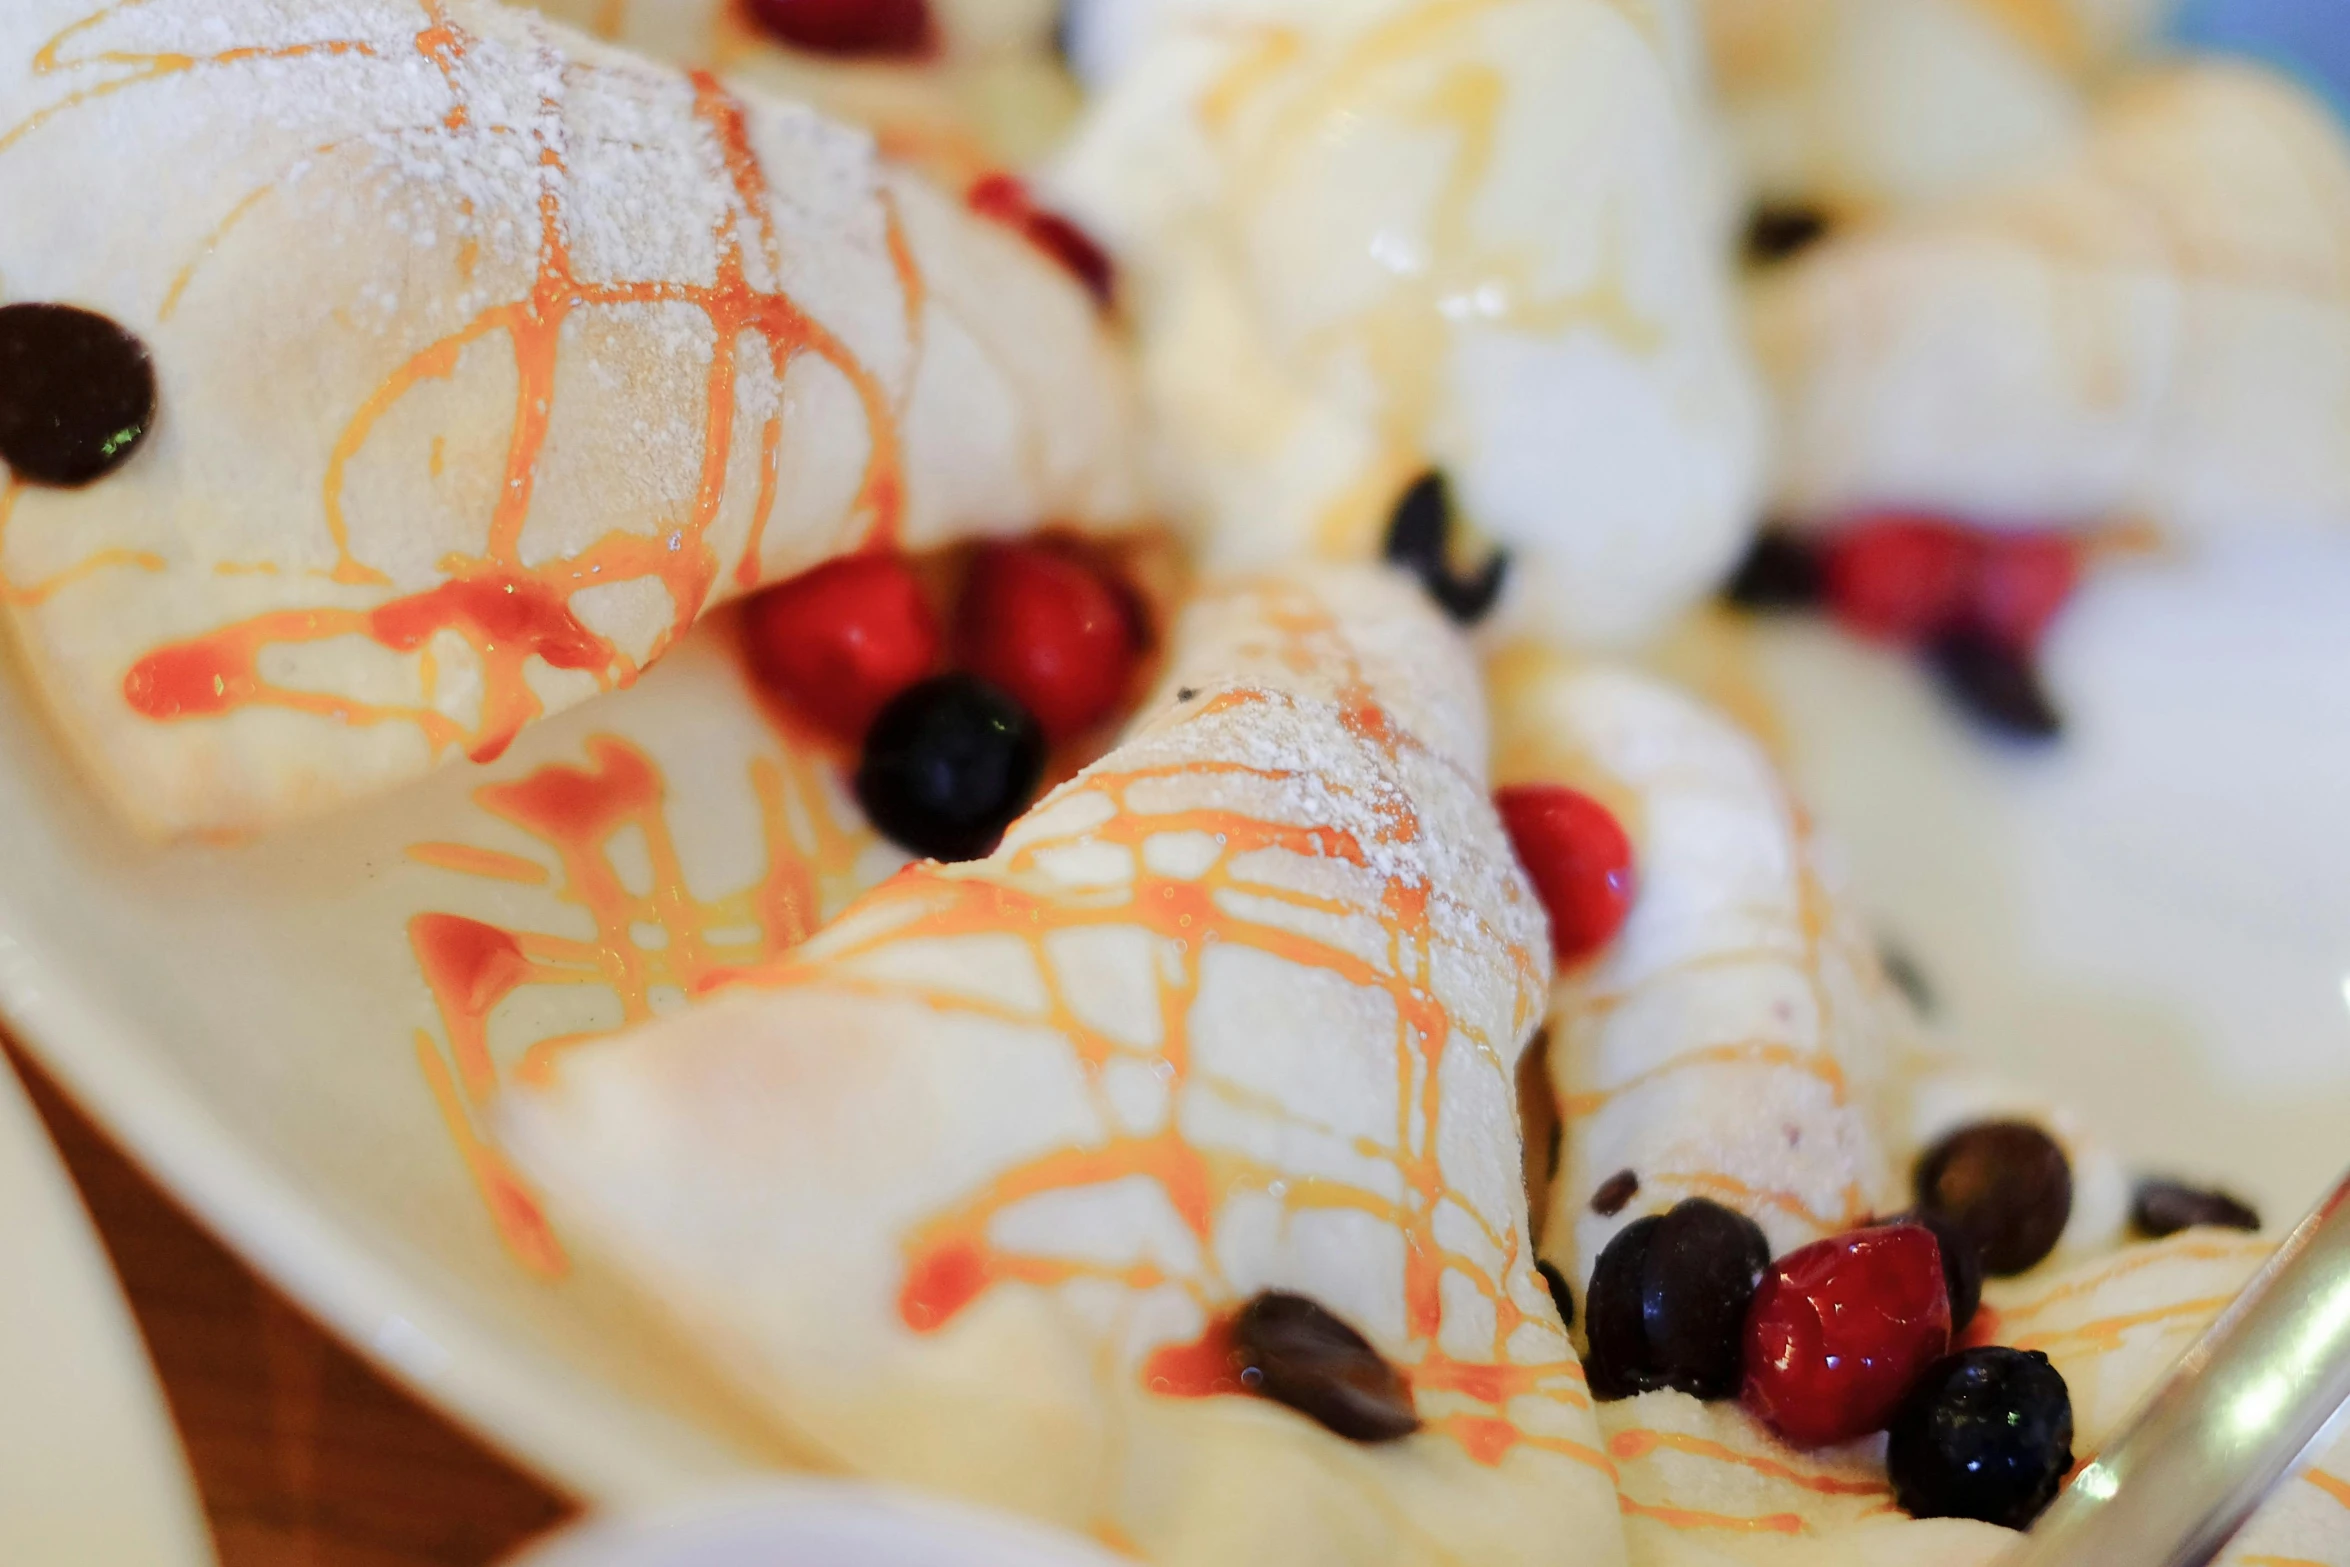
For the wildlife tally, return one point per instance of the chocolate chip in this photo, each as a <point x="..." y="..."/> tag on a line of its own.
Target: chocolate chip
<point x="1294" y="1352"/>
<point x="1995" y="684"/>
<point x="77" y="393"/>
<point x="1617" y="1190"/>
<point x="2162" y="1208"/>
<point x="1186" y="693"/>
<point x="1781" y="572"/>
<point x="1962" y="1264"/>
<point x="1419" y="539"/>
<point x="1560" y="1295"/>
<point x="1777" y="230"/>
<point x="2004" y="1184"/>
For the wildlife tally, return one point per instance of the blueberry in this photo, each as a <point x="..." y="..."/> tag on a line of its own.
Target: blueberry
<point x="948" y="764"/>
<point x="2006" y="1185"/>
<point x="1295" y="1351"/>
<point x="1419" y="539"/>
<point x="2162" y="1208"/>
<point x="1781" y="571"/>
<point x="1560" y="1295"/>
<point x="1985" y="1434"/>
<point x="1667" y="1303"/>
<point x="77" y="393"/>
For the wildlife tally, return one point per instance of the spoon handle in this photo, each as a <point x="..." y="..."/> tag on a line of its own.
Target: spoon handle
<point x="2253" y="1398"/>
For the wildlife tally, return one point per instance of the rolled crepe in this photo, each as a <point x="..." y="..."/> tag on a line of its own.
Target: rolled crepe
<point x="1862" y="106"/>
<point x="488" y="359"/>
<point x="2158" y="329"/>
<point x="1736" y="1041"/>
<point x="966" y="1191"/>
<point x="1367" y="238"/>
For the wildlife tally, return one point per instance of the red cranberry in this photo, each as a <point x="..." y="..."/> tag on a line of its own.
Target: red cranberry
<point x="2021" y="581"/>
<point x="1050" y="630"/>
<point x="1842" y="1328"/>
<point x="899" y="29"/>
<point x="841" y="640"/>
<point x="1007" y="201"/>
<point x="1900" y="578"/>
<point x="1579" y="860"/>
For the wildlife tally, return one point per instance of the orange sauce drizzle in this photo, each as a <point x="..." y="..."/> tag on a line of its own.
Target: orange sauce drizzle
<point x="576" y="812"/>
<point x="1632" y="1446"/>
<point x="1685" y="1518"/>
<point x="1813" y="1063"/>
<point x="508" y="610"/>
<point x="2106" y="1333"/>
<point x="953" y="1259"/>
<point x="2333" y="1485"/>
<point x="27" y="594"/>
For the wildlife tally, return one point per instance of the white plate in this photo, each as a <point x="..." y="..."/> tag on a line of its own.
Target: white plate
<point x="89" y="1468"/>
<point x="2152" y="922"/>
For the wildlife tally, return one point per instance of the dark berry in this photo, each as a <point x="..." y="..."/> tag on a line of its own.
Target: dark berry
<point x="1614" y="1192"/>
<point x="2160" y="1208"/>
<point x="948" y="764"/>
<point x="1294" y="1352"/>
<point x="2006" y="1184"/>
<point x="1900" y="578"/>
<point x="1614" y="1321"/>
<point x="1579" y="860"/>
<point x="1776" y="231"/>
<point x="1050" y="630"/>
<point x="1995" y="684"/>
<point x="1962" y="1265"/>
<point x="77" y="394"/>
<point x="1781" y="571"/>
<point x="1668" y="1302"/>
<point x="885" y="29"/>
<point x="1840" y="1330"/>
<point x="2021" y="581"/>
<point x="841" y="640"/>
<point x="1419" y="539"/>
<point x="1986" y="1434"/>
<point x="1560" y="1295"/>
<point x="1005" y="198"/>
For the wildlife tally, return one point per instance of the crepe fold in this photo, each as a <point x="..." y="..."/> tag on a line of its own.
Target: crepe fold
<point x="965" y="1191"/>
<point x="488" y="359"/>
<point x="2156" y="327"/>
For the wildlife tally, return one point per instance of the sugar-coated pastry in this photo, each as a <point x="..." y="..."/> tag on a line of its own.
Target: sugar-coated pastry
<point x="1860" y="106"/>
<point x="984" y="1188"/>
<point x="1735" y="1041"/>
<point x="1364" y="240"/>
<point x="485" y="359"/>
<point x="2156" y="329"/>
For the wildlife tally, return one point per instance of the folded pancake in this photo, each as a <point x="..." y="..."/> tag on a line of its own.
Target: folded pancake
<point x="2156" y="329"/>
<point x="1861" y="106"/>
<point x="1736" y="1040"/>
<point x="985" y="90"/>
<point x="487" y="360"/>
<point x="969" y="1192"/>
<point x="1705" y="1484"/>
<point x="1364" y="239"/>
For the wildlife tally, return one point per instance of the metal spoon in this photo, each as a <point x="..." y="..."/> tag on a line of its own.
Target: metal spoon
<point x="2256" y="1396"/>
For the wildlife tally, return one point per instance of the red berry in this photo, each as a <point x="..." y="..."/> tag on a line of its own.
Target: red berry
<point x="1579" y="860"/>
<point x="1900" y="578"/>
<point x="1842" y="1328"/>
<point x="868" y="28"/>
<point x="841" y="640"/>
<point x="1006" y="200"/>
<point x="1050" y="630"/>
<point x="2021" y="581"/>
